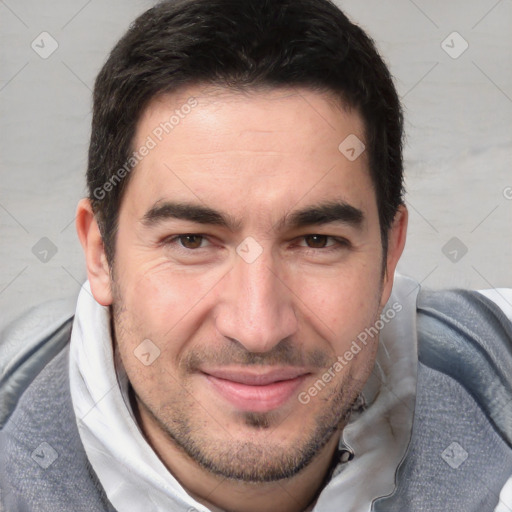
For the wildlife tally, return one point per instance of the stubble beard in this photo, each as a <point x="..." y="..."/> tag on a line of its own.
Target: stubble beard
<point x="251" y="461"/>
<point x="255" y="460"/>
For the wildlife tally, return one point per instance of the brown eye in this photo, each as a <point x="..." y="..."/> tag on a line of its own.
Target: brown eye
<point x="191" y="241"/>
<point x="316" y="241"/>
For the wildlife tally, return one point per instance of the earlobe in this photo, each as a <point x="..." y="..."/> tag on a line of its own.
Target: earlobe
<point x="98" y="271"/>
<point x="396" y="242"/>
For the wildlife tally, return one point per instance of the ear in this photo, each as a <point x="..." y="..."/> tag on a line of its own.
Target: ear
<point x="396" y="243"/>
<point x="98" y="271"/>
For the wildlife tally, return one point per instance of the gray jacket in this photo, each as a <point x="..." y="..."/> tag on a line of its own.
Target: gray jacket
<point x="464" y="402"/>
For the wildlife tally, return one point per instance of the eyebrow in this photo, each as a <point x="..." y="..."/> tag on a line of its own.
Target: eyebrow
<point x="323" y="213"/>
<point x="200" y="214"/>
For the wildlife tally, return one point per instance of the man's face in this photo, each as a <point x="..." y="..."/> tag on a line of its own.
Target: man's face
<point x="249" y="254"/>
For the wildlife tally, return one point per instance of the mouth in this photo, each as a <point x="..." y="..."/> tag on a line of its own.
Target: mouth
<point x="256" y="391"/>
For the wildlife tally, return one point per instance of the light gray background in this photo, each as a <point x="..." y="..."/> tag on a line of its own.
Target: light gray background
<point x="458" y="121"/>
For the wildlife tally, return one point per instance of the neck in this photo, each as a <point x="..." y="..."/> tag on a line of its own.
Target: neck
<point x="219" y="494"/>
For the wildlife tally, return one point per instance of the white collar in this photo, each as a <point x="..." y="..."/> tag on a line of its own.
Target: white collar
<point x="135" y="479"/>
<point x="379" y="437"/>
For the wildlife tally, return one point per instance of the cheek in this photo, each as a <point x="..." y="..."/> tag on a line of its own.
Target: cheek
<point x="346" y="302"/>
<point x="156" y="298"/>
<point x="167" y="308"/>
<point x="143" y="344"/>
<point x="348" y="307"/>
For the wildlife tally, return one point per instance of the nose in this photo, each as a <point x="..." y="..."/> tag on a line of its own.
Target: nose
<point x="256" y="308"/>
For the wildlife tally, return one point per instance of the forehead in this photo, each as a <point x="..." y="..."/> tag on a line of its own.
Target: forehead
<point x="237" y="116"/>
<point x="256" y="148"/>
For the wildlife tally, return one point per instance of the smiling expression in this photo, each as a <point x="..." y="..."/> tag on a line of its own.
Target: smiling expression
<point x="249" y="253"/>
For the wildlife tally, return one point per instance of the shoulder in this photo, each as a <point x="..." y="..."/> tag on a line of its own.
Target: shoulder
<point x="460" y="453"/>
<point x="44" y="466"/>
<point x="27" y="345"/>
<point x="468" y="338"/>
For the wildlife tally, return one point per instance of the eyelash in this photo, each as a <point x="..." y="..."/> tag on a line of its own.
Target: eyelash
<point x="340" y="243"/>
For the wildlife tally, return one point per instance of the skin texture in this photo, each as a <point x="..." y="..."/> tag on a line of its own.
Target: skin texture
<point x="256" y="157"/>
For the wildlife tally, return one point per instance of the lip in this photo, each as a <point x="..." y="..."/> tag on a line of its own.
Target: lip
<point x="261" y="391"/>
